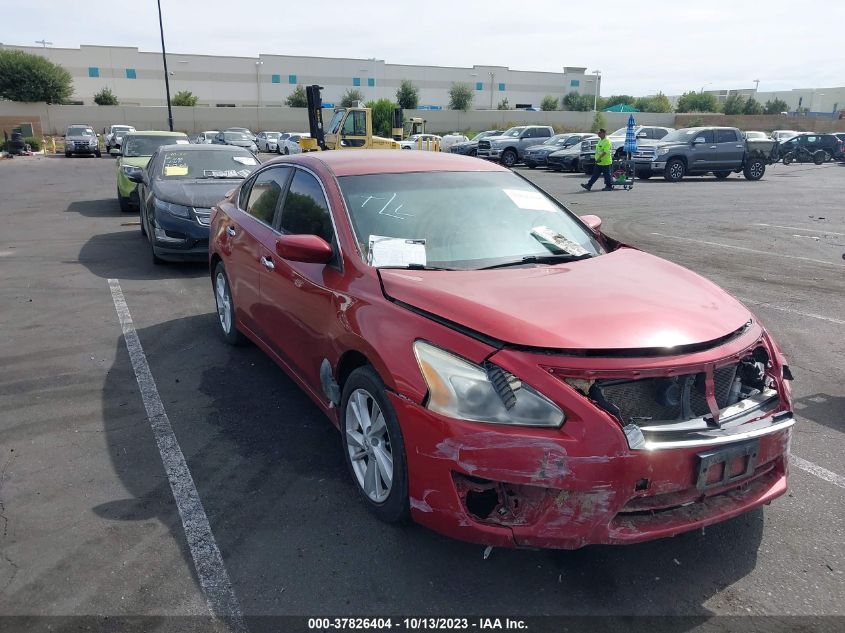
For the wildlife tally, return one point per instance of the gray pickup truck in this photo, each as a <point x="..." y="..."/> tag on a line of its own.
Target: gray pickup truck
<point x="510" y="146"/>
<point x="695" y="151"/>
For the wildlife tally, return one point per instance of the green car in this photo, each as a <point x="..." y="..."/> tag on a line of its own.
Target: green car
<point x="134" y="155"/>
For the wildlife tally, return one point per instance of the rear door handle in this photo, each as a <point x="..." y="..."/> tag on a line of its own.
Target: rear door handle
<point x="267" y="263"/>
<point x="231" y="230"/>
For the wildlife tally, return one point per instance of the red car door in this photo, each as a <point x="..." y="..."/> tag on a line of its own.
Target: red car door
<point x="297" y="298"/>
<point x="247" y="229"/>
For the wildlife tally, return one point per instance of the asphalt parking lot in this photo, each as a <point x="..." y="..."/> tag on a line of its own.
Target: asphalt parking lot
<point x="88" y="523"/>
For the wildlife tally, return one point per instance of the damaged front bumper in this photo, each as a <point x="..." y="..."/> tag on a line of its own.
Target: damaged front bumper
<point x="594" y="481"/>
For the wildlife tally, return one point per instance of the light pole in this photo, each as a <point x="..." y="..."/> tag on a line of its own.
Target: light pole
<point x="756" y="86"/>
<point x="492" y="79"/>
<point x="44" y="43"/>
<point x="164" y="58"/>
<point x="597" y="73"/>
<point x="704" y="86"/>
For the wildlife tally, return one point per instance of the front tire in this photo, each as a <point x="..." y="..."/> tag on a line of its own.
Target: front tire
<point x="787" y="158"/>
<point x="373" y="446"/>
<point x="124" y="203"/>
<point x="675" y="170"/>
<point x="225" y="306"/>
<point x="287" y="151"/>
<point x="819" y="157"/>
<point x="509" y="158"/>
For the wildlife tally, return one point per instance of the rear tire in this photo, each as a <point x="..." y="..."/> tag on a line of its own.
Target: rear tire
<point x="754" y="169"/>
<point x="675" y="170"/>
<point x="721" y="175"/>
<point x="819" y="157"/>
<point x="67" y="154"/>
<point x="225" y="306"/>
<point x="98" y="154"/>
<point x="365" y="387"/>
<point x="124" y="203"/>
<point x="787" y="158"/>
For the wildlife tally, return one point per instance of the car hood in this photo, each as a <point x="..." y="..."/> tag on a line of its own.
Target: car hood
<point x="240" y="143"/>
<point x="569" y="151"/>
<point x="194" y="193"/>
<point x="135" y="161"/>
<point x="543" y="148"/>
<point x="625" y="299"/>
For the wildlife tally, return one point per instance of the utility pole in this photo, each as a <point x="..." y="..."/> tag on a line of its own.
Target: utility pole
<point x="44" y="43"/>
<point x="492" y="79"/>
<point x="166" y="78"/>
<point x="597" y="73"/>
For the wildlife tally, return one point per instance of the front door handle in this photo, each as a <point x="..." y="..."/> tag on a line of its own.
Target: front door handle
<point x="267" y="263"/>
<point x="231" y="231"/>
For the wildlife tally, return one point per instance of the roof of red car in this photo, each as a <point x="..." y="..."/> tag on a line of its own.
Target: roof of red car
<point x="385" y="161"/>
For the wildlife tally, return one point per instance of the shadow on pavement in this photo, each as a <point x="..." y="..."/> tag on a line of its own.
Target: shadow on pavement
<point x="107" y="208"/>
<point x="126" y="255"/>
<point x="297" y="540"/>
<point x="823" y="409"/>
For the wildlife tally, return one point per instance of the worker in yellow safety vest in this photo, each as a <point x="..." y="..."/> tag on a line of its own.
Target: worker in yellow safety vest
<point x="604" y="159"/>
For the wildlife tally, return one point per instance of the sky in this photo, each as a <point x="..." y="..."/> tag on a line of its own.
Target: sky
<point x="640" y="47"/>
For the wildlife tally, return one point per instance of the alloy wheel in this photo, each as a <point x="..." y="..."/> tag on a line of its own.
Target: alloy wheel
<point x="224" y="302"/>
<point x="369" y="446"/>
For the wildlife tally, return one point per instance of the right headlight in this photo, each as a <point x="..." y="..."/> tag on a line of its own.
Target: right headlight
<point x="460" y="389"/>
<point x="663" y="150"/>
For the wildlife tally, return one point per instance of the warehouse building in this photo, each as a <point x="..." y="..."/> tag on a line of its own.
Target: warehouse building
<point x="136" y="78"/>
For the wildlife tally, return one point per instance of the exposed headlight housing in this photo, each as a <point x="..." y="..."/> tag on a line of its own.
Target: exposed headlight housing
<point x="173" y="209"/>
<point x="463" y="390"/>
<point x="663" y="150"/>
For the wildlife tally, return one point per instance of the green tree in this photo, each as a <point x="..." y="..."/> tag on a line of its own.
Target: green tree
<point x="105" y="97"/>
<point x="460" y="97"/>
<point x="655" y="103"/>
<point x="752" y="106"/>
<point x="598" y="122"/>
<point x="297" y="98"/>
<point x="613" y="100"/>
<point x="549" y="103"/>
<point x="382" y="116"/>
<point x="408" y="95"/>
<point x="25" y="77"/>
<point x="776" y="106"/>
<point x="697" y="102"/>
<point x="185" y="98"/>
<point x="503" y="104"/>
<point x="350" y="97"/>
<point x="734" y="104"/>
<point x="577" y="103"/>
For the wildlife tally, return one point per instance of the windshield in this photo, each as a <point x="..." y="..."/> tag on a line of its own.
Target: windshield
<point x="513" y="132"/>
<point x="558" y="139"/>
<point x="205" y="164"/>
<point x="272" y="135"/>
<point x="122" y="129"/>
<point x="147" y="145"/>
<point x="469" y="220"/>
<point x="681" y="136"/>
<point x="236" y="136"/>
<point x="80" y="131"/>
<point x="755" y="135"/>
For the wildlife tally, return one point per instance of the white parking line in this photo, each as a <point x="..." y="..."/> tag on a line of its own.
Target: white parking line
<point x="791" y="311"/>
<point x="750" y="250"/>
<point x="795" y="228"/>
<point x="208" y="562"/>
<point x="818" y="471"/>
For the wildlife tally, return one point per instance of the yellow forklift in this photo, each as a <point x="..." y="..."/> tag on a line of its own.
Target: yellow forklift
<point x="350" y="128"/>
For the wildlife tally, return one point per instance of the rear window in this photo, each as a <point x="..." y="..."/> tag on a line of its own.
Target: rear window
<point x="147" y="145"/>
<point x="726" y="136"/>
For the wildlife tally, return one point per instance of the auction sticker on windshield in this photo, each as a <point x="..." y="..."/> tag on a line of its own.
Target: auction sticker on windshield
<point x="530" y="200"/>
<point x="396" y="251"/>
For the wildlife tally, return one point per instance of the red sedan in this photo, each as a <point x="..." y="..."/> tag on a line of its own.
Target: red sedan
<point x="500" y="370"/>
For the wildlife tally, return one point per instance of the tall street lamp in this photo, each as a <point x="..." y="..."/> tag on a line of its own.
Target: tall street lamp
<point x="756" y="86"/>
<point x="597" y="73"/>
<point x="166" y="80"/>
<point x="492" y="79"/>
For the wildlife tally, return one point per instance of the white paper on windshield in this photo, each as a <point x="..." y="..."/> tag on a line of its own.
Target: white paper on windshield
<point x="550" y="236"/>
<point x="530" y="200"/>
<point x="396" y="251"/>
<point x="245" y="160"/>
<point x="182" y="141"/>
<point x="225" y="173"/>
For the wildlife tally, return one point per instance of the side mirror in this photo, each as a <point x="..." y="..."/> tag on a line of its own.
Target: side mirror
<point x="311" y="249"/>
<point x="593" y="221"/>
<point x="697" y="140"/>
<point x="115" y="152"/>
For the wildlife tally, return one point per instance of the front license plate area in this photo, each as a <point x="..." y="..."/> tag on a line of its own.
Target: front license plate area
<point x="726" y="465"/>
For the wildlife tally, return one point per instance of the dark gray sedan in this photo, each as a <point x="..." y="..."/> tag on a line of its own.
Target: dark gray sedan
<point x="177" y="190"/>
<point x="238" y="139"/>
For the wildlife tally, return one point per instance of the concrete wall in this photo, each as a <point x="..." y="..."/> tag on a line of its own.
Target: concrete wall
<point x="55" y="118"/>
<point x="763" y="123"/>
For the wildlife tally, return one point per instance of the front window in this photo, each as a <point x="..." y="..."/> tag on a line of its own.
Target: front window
<point x="80" y="131"/>
<point x="273" y="136"/>
<point x="685" y="135"/>
<point x="334" y="124"/>
<point x="468" y="220"/>
<point x="355" y="124"/>
<point x="205" y="164"/>
<point x="558" y="139"/>
<point x="514" y="132"/>
<point x="305" y="211"/>
<point x="147" y="145"/>
<point x="122" y="129"/>
<point x="236" y="136"/>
